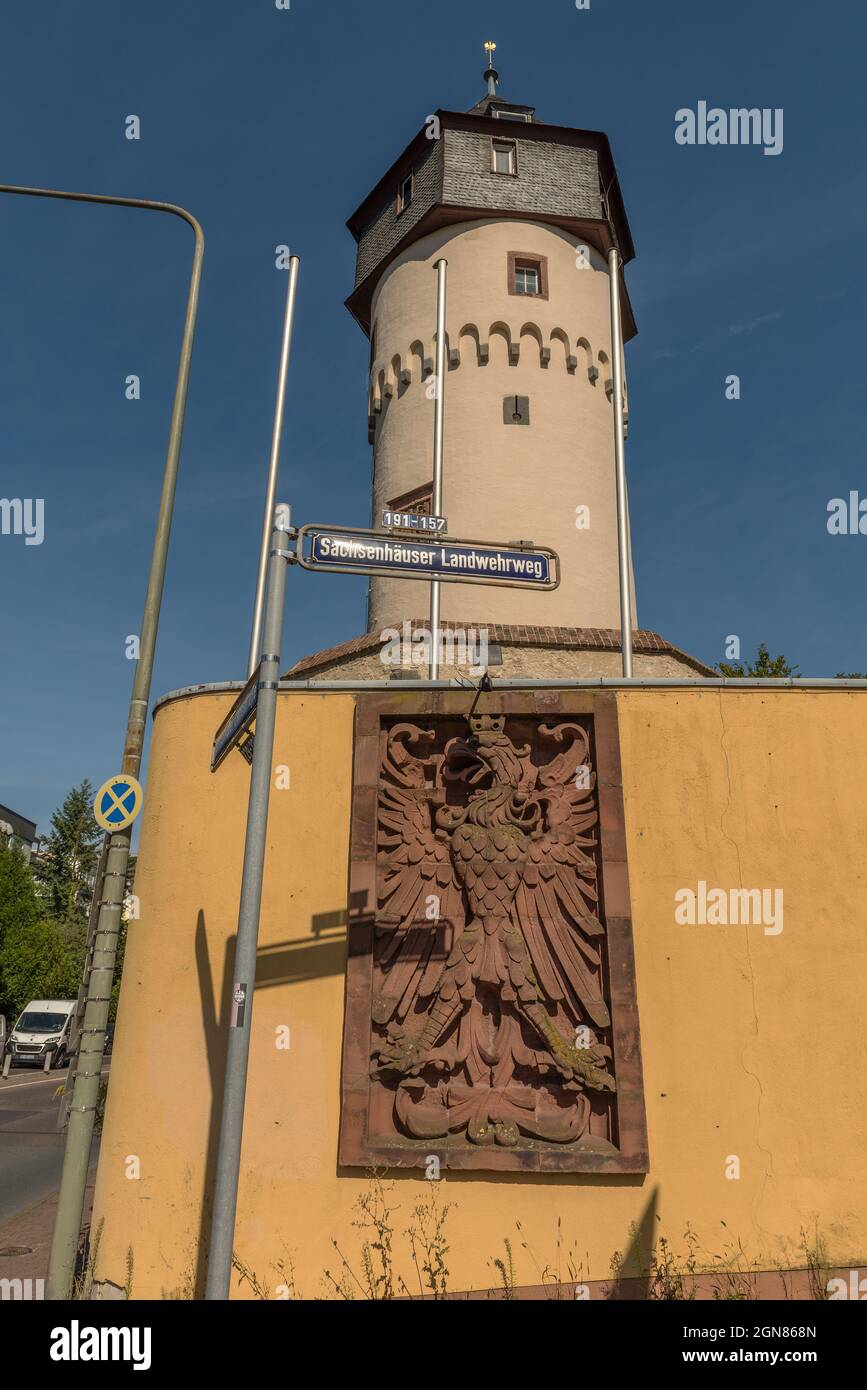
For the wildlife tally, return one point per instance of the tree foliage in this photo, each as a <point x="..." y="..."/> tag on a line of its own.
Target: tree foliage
<point x="19" y="905"/>
<point x="68" y="862"/>
<point x="44" y="907"/>
<point x="764" y="666"/>
<point x="36" y="960"/>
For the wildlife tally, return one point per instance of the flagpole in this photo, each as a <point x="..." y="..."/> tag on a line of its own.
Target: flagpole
<point x="437" y="499"/>
<point x="620" y="464"/>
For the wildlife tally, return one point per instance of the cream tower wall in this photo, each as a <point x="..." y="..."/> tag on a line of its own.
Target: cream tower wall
<point x="501" y="482"/>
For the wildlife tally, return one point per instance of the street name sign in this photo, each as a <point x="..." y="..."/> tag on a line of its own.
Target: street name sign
<point x="237" y="722"/>
<point x="346" y="550"/>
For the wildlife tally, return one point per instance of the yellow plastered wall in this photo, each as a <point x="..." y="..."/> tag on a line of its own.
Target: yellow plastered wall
<point x="752" y="1043"/>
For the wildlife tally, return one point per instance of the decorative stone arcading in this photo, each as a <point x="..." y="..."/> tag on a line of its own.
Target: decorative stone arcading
<point x="393" y="377"/>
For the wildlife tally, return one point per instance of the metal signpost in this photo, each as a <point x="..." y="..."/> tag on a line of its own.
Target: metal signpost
<point x="267" y="677"/>
<point x="257" y="703"/>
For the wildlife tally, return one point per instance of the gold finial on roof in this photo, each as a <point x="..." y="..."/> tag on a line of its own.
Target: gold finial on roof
<point x="492" y="77"/>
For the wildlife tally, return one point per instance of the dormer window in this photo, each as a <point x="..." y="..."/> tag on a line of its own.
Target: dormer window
<point x="500" y="115"/>
<point x="504" y="157"/>
<point x="404" y="194"/>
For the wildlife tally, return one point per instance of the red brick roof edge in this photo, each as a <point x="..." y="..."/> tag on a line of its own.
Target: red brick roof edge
<point x="515" y="635"/>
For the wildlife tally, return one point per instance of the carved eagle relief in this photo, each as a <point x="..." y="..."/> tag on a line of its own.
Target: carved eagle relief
<point x="489" y="1016"/>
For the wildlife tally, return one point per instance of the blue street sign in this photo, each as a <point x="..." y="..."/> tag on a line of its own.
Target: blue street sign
<point x="237" y="722"/>
<point x="345" y="550"/>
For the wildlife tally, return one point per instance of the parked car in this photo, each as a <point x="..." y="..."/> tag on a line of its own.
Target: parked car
<point x="45" y="1026"/>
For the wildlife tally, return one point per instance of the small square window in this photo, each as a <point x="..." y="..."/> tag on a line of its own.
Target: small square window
<point x="404" y="193"/>
<point x="528" y="275"/>
<point x="504" y="157"/>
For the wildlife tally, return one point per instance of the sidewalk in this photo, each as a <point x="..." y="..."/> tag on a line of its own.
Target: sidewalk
<point x="31" y="1230"/>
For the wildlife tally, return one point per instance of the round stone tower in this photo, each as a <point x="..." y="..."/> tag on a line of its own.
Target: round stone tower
<point x="525" y="214"/>
<point x="528" y="440"/>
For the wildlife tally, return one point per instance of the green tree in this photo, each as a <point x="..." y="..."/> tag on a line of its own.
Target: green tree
<point x="37" y="962"/>
<point x="68" y="861"/>
<point x="19" y="905"/>
<point x="764" y="666"/>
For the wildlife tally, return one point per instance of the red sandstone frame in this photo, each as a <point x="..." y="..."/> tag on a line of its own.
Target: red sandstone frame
<point x="627" y="1151"/>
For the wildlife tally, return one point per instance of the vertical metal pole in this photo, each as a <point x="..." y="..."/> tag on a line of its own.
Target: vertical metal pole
<point x="620" y="464"/>
<point x="244" y="976"/>
<point x="81" y="1001"/>
<point x="437" y="500"/>
<point x="273" y="465"/>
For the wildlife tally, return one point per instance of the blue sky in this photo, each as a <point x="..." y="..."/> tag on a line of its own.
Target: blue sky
<point x="271" y="126"/>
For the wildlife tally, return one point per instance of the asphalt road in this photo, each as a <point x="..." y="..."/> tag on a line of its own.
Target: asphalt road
<point x="31" y="1150"/>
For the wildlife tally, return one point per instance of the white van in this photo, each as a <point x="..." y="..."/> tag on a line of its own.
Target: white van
<point x="46" y="1025"/>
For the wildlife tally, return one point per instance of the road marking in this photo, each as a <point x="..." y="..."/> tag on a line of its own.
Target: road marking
<point x="44" y="1081"/>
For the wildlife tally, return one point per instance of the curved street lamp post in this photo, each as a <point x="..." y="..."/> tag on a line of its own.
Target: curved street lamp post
<point x="85" y="1094"/>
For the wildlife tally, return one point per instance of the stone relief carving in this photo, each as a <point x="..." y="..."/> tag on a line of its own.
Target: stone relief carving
<point x="489" y="1017"/>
